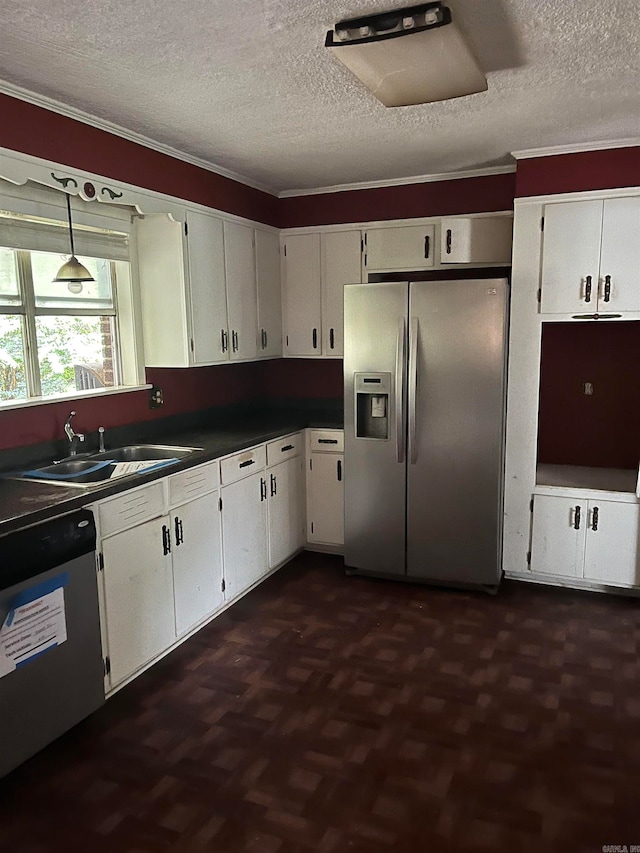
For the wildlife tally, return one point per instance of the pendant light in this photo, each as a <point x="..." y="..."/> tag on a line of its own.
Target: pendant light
<point x="72" y="271"/>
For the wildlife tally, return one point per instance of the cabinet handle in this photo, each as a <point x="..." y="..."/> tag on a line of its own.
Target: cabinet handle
<point x="327" y="441"/>
<point x="286" y="447"/>
<point x="178" y="531"/>
<point x="315" y="338"/>
<point x="273" y="485"/>
<point x="607" y="288"/>
<point x="166" y="540"/>
<point x="247" y="463"/>
<point x="427" y="245"/>
<point x="234" y="340"/>
<point x="263" y="489"/>
<point x="448" y="241"/>
<point x="331" y="338"/>
<point x="223" y="340"/>
<point x="576" y="517"/>
<point x="263" y="333"/>
<point x="339" y="469"/>
<point x="594" y="518"/>
<point x="587" y="289"/>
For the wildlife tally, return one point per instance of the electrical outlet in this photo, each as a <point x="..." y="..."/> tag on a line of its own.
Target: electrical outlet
<point x="156" y="398"/>
<point x="588" y="388"/>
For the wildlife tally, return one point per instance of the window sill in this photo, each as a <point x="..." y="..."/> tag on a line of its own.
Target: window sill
<point x="92" y="393"/>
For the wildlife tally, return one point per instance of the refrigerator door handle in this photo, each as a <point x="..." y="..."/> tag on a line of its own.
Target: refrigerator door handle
<point x="413" y="389"/>
<point x="400" y="363"/>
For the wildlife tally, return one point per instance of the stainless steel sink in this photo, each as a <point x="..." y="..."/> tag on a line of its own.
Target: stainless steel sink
<point x="97" y="468"/>
<point x="145" y="452"/>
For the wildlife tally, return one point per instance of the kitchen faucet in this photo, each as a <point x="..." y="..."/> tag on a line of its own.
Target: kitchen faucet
<point x="75" y="438"/>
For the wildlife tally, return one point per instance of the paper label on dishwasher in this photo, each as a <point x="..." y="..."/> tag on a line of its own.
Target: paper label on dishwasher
<point x="35" y="624"/>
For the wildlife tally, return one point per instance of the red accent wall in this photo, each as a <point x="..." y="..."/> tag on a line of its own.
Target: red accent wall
<point x="184" y="391"/>
<point x="437" y="198"/>
<point x="602" y="430"/>
<point x="302" y="379"/>
<point x="43" y="133"/>
<point x="588" y="170"/>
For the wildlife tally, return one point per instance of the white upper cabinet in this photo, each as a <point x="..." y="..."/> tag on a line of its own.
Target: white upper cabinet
<point x="591" y="257"/>
<point x="240" y="268"/>
<point x="207" y="284"/>
<point x="399" y="247"/>
<point x="182" y="285"/>
<point x="302" y="294"/>
<point x="341" y="263"/>
<point x="269" y="298"/>
<point x="476" y="240"/>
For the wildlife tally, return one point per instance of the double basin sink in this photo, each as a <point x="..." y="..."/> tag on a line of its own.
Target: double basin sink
<point x="87" y="470"/>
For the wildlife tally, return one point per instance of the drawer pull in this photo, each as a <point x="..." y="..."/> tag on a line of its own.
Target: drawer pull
<point x="247" y="463"/>
<point x="286" y="447"/>
<point x="576" y="517"/>
<point x="327" y="441"/>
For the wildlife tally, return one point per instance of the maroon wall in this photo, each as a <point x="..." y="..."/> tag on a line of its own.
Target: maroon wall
<point x="437" y="198"/>
<point x="589" y="170"/>
<point x="302" y="378"/>
<point x="43" y="133"/>
<point x="602" y="430"/>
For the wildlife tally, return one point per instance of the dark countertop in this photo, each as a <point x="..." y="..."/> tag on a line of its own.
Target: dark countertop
<point x="24" y="503"/>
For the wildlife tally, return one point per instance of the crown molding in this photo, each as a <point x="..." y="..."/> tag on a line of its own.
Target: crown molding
<point x="102" y="124"/>
<point x="578" y="148"/>
<point x="399" y="182"/>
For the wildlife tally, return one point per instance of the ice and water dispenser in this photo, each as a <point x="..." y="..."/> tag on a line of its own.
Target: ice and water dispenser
<point x="372" y="392"/>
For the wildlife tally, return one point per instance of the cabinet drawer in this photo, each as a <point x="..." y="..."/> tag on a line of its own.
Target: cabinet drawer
<point x="193" y="483"/>
<point x="284" y="448"/>
<point x="242" y="464"/>
<point x="327" y="440"/>
<point x="132" y="507"/>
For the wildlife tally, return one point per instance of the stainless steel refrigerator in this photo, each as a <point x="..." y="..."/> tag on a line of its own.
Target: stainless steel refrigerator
<point x="424" y="384"/>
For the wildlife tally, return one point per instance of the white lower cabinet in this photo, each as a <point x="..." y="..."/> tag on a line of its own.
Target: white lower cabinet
<point x="325" y="499"/>
<point x="286" y="516"/>
<point x="197" y="561"/>
<point x="586" y="538"/>
<point x="244" y="533"/>
<point x="138" y="594"/>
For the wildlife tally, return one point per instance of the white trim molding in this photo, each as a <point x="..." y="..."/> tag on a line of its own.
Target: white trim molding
<point x="123" y="132"/>
<point x="401" y="182"/>
<point x="577" y="148"/>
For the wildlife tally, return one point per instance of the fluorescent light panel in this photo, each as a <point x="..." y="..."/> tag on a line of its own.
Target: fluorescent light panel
<point x="414" y="55"/>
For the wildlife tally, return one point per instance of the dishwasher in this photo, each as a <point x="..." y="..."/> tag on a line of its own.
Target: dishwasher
<point x="51" y="664"/>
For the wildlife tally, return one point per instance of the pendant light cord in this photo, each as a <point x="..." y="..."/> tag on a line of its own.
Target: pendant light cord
<point x="73" y="251"/>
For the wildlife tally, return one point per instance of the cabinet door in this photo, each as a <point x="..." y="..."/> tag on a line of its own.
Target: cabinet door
<point x="138" y="588"/>
<point x="269" y="294"/>
<point x="163" y="291"/>
<point x="197" y="560"/>
<point x="207" y="284"/>
<point x="341" y="264"/>
<point x="244" y="533"/>
<point x="403" y="247"/>
<point x="240" y="266"/>
<point x="620" y="256"/>
<point x="302" y="297"/>
<point x="325" y="499"/>
<point x="286" y="504"/>
<point x="571" y="257"/>
<point x="558" y="539"/>
<point x="612" y="543"/>
<point x="476" y="240"/>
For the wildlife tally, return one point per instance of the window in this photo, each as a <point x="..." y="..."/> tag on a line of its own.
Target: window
<point x="54" y="341"/>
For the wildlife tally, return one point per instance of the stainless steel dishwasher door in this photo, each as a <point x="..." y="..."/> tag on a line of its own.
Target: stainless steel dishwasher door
<point x="50" y="692"/>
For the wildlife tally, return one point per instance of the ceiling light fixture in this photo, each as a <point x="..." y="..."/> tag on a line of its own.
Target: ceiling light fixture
<point x="72" y="271"/>
<point x="414" y="55"/>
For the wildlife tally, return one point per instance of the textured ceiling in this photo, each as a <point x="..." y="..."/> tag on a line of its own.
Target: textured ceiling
<point x="249" y="86"/>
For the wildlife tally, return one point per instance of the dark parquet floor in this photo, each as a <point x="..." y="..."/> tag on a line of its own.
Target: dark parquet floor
<point x="325" y="713"/>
